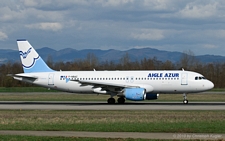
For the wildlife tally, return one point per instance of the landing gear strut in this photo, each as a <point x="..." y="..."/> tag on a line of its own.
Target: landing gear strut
<point x="121" y="100"/>
<point x="185" y="101"/>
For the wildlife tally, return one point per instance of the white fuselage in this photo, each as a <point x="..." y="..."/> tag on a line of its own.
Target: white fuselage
<point x="152" y="81"/>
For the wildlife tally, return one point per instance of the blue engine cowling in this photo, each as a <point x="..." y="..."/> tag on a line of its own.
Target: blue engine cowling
<point x="135" y="94"/>
<point x="151" y="96"/>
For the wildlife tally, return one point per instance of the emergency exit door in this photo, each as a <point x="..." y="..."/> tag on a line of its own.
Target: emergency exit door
<point x="184" y="79"/>
<point x="51" y="79"/>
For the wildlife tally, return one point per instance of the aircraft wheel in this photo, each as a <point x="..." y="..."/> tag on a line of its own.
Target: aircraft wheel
<point x="185" y="101"/>
<point x="121" y="100"/>
<point x="111" y="101"/>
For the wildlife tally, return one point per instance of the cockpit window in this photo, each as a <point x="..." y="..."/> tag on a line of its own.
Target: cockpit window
<point x="199" y="78"/>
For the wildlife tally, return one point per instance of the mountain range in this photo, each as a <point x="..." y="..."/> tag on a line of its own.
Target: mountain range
<point x="69" y="54"/>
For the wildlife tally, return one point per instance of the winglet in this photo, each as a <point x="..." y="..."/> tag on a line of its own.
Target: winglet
<point x="30" y="59"/>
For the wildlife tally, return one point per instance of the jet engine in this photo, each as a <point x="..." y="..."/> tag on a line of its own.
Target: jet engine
<point x="135" y="94"/>
<point x="152" y="96"/>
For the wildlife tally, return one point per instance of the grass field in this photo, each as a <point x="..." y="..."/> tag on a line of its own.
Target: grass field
<point x="25" y="89"/>
<point x="94" y="97"/>
<point x="43" y="94"/>
<point x="35" y="138"/>
<point x="114" y="121"/>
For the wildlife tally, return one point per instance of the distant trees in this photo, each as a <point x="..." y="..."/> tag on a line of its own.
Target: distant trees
<point x="212" y="71"/>
<point x="188" y="60"/>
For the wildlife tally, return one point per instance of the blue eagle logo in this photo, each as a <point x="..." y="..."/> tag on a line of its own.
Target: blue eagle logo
<point x="24" y="54"/>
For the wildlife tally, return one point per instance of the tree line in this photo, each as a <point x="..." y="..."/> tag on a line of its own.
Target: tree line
<point x="212" y="71"/>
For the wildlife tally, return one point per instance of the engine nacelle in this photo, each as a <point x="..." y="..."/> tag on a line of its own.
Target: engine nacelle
<point x="135" y="94"/>
<point x="152" y="96"/>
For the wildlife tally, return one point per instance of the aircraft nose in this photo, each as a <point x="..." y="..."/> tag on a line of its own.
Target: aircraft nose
<point x="210" y="85"/>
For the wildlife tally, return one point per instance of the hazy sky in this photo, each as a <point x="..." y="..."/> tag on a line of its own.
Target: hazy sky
<point x="172" y="25"/>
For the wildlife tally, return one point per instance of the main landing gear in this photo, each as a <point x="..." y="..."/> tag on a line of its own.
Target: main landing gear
<point x="111" y="100"/>
<point x="120" y="100"/>
<point x="185" y="101"/>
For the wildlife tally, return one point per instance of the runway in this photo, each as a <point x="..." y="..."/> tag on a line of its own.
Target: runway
<point x="99" y="105"/>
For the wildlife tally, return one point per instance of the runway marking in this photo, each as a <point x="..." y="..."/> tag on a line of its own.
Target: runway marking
<point x="134" y="135"/>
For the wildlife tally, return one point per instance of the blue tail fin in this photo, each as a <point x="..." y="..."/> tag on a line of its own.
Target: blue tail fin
<point x="30" y="59"/>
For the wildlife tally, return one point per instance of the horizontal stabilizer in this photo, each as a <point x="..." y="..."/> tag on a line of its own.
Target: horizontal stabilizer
<point x="23" y="77"/>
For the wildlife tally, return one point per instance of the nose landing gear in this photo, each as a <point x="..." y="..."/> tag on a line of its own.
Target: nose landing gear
<point x="185" y="101"/>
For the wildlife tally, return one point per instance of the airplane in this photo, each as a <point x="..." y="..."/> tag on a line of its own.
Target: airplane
<point x="126" y="85"/>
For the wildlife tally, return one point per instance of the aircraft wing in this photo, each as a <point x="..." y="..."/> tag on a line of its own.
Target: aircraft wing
<point x="105" y="86"/>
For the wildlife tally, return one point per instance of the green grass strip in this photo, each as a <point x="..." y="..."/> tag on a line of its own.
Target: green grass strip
<point x="40" y="138"/>
<point x="58" y="96"/>
<point x="115" y="121"/>
<point x="25" y="89"/>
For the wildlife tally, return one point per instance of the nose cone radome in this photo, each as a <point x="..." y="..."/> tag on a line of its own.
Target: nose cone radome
<point x="210" y="85"/>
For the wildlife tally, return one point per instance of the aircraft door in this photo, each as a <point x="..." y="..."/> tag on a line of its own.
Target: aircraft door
<point x="51" y="79"/>
<point x="184" y="79"/>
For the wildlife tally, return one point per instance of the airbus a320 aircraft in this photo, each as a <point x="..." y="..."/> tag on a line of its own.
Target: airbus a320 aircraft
<point x="130" y="85"/>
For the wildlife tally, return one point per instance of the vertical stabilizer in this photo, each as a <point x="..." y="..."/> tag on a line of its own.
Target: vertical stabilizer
<point x="30" y="59"/>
